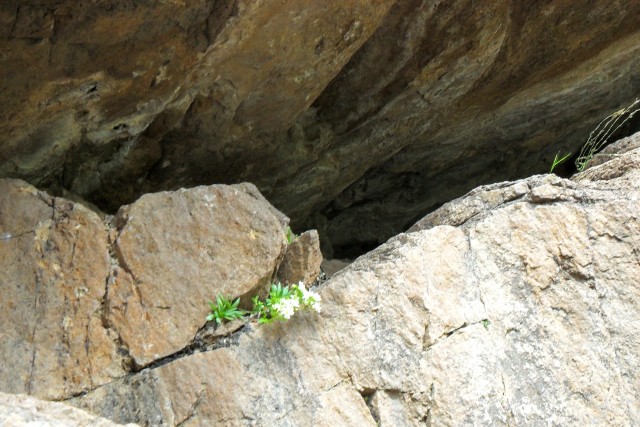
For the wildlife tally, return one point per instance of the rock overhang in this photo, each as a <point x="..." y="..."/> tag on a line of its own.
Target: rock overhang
<point x="355" y="119"/>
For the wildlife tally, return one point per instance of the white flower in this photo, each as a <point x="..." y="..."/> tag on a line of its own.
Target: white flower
<point x="286" y="307"/>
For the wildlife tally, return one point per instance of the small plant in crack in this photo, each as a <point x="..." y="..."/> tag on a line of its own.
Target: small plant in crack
<point x="606" y="132"/>
<point x="290" y="235"/>
<point x="558" y="160"/>
<point x="224" y="309"/>
<point x="282" y="303"/>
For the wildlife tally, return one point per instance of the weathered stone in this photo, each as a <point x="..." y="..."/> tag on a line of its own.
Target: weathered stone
<point x="179" y="250"/>
<point x="302" y="260"/>
<point x="54" y="266"/>
<point x="72" y="317"/>
<point x="354" y="117"/>
<point x="332" y="266"/>
<point x="524" y="313"/>
<point x="25" y="411"/>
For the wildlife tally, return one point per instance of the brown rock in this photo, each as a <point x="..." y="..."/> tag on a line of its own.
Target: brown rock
<point x="302" y="260"/>
<point x="179" y="250"/>
<point x="360" y="114"/>
<point x="72" y="318"/>
<point x="524" y="313"/>
<point x="54" y="267"/>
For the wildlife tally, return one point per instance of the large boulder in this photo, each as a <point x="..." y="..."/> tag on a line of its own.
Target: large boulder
<point x="515" y="305"/>
<point x="178" y="250"/>
<point x="85" y="301"/>
<point x="355" y="117"/>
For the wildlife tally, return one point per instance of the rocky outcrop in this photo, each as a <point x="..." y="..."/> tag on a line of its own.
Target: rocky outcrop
<point x="26" y="411"/>
<point x="86" y="301"/>
<point x="355" y="117"/>
<point x="514" y="305"/>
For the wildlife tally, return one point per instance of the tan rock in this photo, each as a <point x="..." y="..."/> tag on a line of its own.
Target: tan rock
<point x="302" y="260"/>
<point x="54" y="267"/>
<point x="26" y="411"/>
<point x="330" y="267"/>
<point x="178" y="250"/>
<point x="524" y="313"/>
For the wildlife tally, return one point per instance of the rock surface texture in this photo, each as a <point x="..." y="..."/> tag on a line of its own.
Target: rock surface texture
<point x="518" y="304"/>
<point x="356" y="116"/>
<point x="26" y="411"/>
<point x="303" y="259"/>
<point x="86" y="301"/>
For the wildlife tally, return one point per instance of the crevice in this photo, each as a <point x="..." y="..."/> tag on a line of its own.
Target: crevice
<point x="484" y="322"/>
<point x="506" y="407"/>
<point x="368" y="396"/>
<point x="10" y="236"/>
<point x="36" y="297"/>
<point x="36" y="309"/>
<point x="342" y="381"/>
<point x="87" y="347"/>
<point x="200" y="345"/>
<point x="121" y="346"/>
<point x="192" y="410"/>
<point x="197" y="346"/>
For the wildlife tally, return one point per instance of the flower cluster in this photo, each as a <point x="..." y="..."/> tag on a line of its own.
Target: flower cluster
<point x="283" y="302"/>
<point x="308" y="298"/>
<point x="286" y="307"/>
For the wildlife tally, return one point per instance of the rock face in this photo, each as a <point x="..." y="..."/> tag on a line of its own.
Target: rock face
<point x="356" y="117"/>
<point x="177" y="251"/>
<point x="54" y="267"/>
<point x="517" y="304"/>
<point x="26" y="411"/>
<point x="85" y="301"/>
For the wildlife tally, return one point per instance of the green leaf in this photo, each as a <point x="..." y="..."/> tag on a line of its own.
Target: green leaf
<point x="557" y="160"/>
<point x="290" y="235"/>
<point x="224" y="309"/>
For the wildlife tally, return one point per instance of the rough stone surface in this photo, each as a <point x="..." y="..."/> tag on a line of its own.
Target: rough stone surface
<point x="330" y="267"/>
<point x="54" y="266"/>
<point x="353" y="117"/>
<point x="25" y="411"/>
<point x="179" y="250"/>
<point x="525" y="311"/>
<point x="302" y="260"/>
<point x="85" y="301"/>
